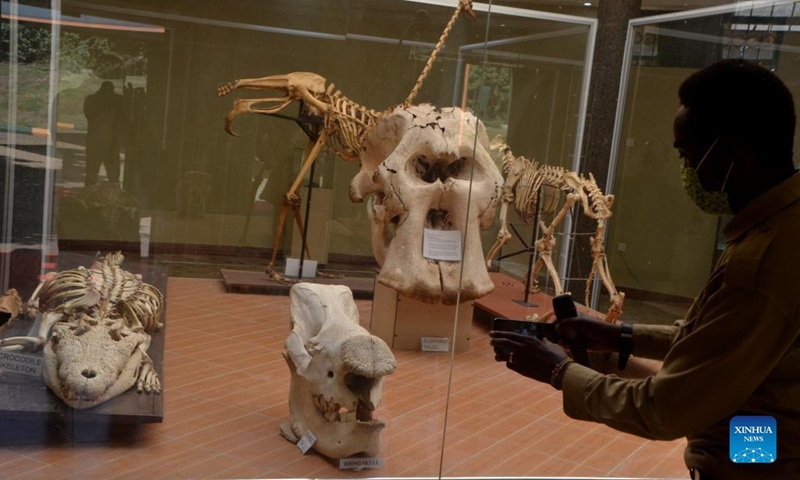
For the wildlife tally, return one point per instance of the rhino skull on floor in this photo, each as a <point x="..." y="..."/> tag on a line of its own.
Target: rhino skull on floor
<point x="337" y="371"/>
<point x="419" y="162"/>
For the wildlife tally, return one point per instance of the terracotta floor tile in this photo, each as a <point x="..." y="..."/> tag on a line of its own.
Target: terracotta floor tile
<point x="307" y="465"/>
<point x="615" y="452"/>
<point x="162" y="466"/>
<point x="552" y="467"/>
<point x="584" y="470"/>
<point x="559" y="439"/>
<point x="672" y="464"/>
<point x="459" y="450"/>
<point x="230" y="432"/>
<point x="584" y="447"/>
<point x="515" y="463"/>
<point x="246" y="470"/>
<point x="20" y="466"/>
<point x="48" y="472"/>
<point x="642" y="460"/>
<point x="203" y="467"/>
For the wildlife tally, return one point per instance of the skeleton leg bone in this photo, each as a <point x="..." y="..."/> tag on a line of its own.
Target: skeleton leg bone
<point x="292" y="200"/>
<point x="147" y="380"/>
<point x="546" y="244"/>
<point x="600" y="267"/>
<point x="503" y="236"/>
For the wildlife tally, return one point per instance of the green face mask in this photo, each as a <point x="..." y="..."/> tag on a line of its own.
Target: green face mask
<point x="714" y="203"/>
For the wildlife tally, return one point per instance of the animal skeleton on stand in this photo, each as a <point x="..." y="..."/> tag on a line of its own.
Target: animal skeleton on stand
<point x="344" y="123"/>
<point x="525" y="179"/>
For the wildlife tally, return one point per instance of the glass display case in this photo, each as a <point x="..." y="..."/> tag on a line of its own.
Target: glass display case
<point x="660" y="244"/>
<point x="115" y="140"/>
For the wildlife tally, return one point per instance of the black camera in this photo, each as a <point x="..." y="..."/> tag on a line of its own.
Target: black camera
<point x="540" y="330"/>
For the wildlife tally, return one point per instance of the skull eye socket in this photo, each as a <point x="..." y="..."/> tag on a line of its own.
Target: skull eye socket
<point x="430" y="170"/>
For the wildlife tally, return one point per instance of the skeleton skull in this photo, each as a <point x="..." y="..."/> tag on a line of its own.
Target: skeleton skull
<point x="419" y="161"/>
<point x="86" y="365"/>
<point x="337" y="369"/>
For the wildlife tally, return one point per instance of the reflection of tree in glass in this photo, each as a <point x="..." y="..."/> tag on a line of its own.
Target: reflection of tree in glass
<point x="494" y="81"/>
<point x="79" y="50"/>
<point x="489" y="97"/>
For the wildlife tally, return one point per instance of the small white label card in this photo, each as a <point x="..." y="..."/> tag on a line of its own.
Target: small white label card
<point x="23" y="363"/>
<point x="360" y="463"/>
<point x="442" y="245"/>
<point x="435" y="344"/>
<point x="306" y="442"/>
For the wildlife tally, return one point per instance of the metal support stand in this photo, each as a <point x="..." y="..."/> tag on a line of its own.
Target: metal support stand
<point x="531" y="253"/>
<point x="305" y="221"/>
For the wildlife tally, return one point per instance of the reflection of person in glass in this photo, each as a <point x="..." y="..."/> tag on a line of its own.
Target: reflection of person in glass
<point x="105" y="121"/>
<point x="737" y="352"/>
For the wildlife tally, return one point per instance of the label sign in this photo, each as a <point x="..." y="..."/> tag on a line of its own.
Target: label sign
<point x="306" y="442"/>
<point x="435" y="344"/>
<point x="442" y="245"/>
<point x="21" y="363"/>
<point x="753" y="439"/>
<point x="360" y="463"/>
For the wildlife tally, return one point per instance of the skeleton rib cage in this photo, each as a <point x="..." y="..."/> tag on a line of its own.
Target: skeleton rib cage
<point x="104" y="291"/>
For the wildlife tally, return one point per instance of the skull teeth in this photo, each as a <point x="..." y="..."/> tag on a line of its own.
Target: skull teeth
<point x="334" y="412"/>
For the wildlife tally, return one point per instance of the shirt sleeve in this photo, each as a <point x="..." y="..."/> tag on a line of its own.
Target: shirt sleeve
<point x="737" y="339"/>
<point x="654" y="341"/>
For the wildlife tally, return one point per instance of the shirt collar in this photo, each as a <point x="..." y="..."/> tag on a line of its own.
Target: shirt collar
<point x="764" y="206"/>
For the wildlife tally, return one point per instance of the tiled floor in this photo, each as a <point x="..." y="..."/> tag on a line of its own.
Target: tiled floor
<point x="227" y="390"/>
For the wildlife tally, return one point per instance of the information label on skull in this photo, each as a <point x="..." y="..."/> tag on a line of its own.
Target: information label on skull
<point x="21" y="363"/>
<point x="435" y="344"/>
<point x="442" y="245"/>
<point x="360" y="463"/>
<point x="306" y="442"/>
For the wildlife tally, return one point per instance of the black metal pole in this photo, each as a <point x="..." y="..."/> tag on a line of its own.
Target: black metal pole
<point x="305" y="220"/>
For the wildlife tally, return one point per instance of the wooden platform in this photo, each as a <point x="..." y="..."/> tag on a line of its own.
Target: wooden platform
<point x="243" y="281"/>
<point x="31" y="413"/>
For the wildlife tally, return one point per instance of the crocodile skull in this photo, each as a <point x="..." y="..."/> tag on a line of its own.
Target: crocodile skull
<point x="85" y="365"/>
<point x="419" y="161"/>
<point x="337" y="370"/>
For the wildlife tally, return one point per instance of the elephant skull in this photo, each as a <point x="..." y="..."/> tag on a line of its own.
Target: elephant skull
<point x="420" y="161"/>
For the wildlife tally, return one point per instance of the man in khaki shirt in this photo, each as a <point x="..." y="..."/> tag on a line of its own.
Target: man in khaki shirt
<point x="737" y="353"/>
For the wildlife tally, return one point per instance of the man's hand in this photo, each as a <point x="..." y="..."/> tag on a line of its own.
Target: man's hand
<point x="599" y="336"/>
<point x="527" y="355"/>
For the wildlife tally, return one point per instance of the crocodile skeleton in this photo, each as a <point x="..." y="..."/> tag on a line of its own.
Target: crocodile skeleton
<point x="93" y="326"/>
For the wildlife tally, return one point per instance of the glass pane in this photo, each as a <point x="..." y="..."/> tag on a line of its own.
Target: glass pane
<point x="117" y="142"/>
<point x="661" y="247"/>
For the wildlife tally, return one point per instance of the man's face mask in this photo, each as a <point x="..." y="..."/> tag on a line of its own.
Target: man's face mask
<point x="714" y="203"/>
